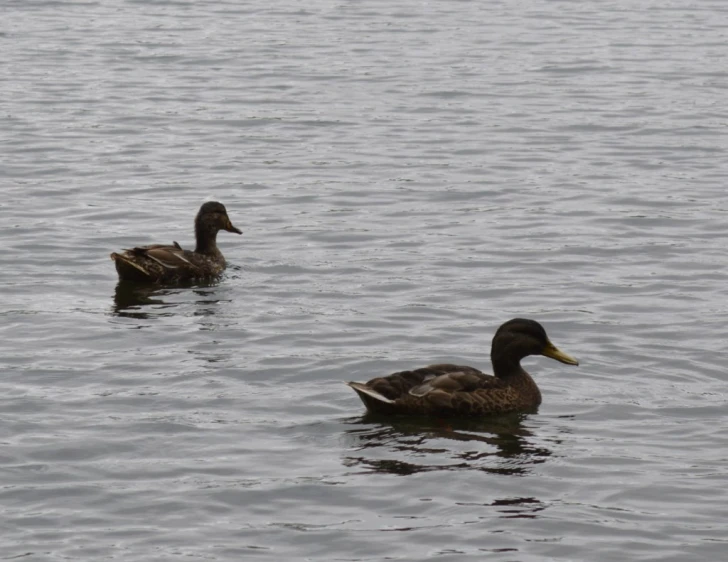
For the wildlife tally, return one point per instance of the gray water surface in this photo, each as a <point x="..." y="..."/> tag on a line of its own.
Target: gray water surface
<point x="408" y="176"/>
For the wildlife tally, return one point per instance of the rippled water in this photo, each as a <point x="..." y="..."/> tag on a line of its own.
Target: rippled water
<point x="408" y="176"/>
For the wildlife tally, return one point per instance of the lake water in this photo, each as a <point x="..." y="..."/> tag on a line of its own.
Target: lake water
<point x="408" y="176"/>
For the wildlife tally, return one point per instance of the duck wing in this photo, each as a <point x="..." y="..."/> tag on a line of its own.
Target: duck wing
<point x="455" y="378"/>
<point x="170" y="257"/>
<point x="445" y="376"/>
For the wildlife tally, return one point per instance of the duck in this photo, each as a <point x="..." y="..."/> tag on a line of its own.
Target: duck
<point x="161" y="263"/>
<point x="456" y="390"/>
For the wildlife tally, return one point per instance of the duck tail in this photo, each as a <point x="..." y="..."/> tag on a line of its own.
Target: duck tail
<point x="129" y="270"/>
<point x="374" y="401"/>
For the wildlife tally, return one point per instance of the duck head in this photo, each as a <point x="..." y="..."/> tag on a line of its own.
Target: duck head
<point x="212" y="218"/>
<point x="519" y="338"/>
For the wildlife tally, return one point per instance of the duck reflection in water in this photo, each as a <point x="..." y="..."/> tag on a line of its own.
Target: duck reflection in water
<point x="499" y="445"/>
<point x="143" y="301"/>
<point x="519" y="508"/>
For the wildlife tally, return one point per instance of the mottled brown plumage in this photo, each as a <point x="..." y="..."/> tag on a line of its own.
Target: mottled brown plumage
<point x="160" y="263"/>
<point x="456" y="390"/>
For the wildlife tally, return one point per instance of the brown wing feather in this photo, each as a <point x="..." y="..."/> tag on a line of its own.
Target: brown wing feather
<point x="167" y="256"/>
<point x="454" y="377"/>
<point x="460" y="379"/>
<point x="399" y="384"/>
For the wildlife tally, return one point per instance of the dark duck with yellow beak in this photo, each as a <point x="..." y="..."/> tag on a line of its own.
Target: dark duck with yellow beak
<point x="454" y="390"/>
<point x="160" y="263"/>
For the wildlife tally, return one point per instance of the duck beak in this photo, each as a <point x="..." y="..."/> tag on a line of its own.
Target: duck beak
<point x="230" y="228"/>
<point x="555" y="353"/>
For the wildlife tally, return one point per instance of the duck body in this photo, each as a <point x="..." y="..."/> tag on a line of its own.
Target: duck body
<point x="457" y="390"/>
<point x="161" y="263"/>
<point x="448" y="390"/>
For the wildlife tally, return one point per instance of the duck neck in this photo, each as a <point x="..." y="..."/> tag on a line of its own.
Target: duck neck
<point x="507" y="368"/>
<point x="514" y="375"/>
<point x="206" y="241"/>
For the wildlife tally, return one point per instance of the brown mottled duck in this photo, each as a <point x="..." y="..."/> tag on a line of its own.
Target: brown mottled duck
<point x="160" y="263"/>
<point x="454" y="390"/>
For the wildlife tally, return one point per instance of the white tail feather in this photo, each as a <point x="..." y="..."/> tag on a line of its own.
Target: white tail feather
<point x="362" y="388"/>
